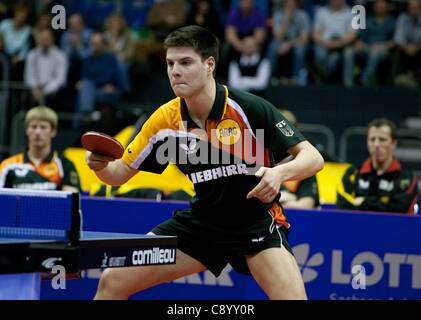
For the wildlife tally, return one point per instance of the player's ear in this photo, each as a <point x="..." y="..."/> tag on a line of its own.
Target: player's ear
<point x="211" y="63"/>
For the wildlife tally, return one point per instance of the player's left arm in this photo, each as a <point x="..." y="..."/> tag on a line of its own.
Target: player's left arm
<point x="306" y="162"/>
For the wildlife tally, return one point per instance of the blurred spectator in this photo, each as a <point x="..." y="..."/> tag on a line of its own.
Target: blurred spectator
<point x="75" y="42"/>
<point x="16" y="34"/>
<point x="291" y="30"/>
<point x="136" y="12"/>
<point x="6" y="8"/>
<point x="39" y="8"/>
<point x="251" y="72"/>
<point x="245" y="30"/>
<point x="45" y="6"/>
<point x="77" y="7"/>
<point x="332" y="33"/>
<point x="4" y="64"/>
<point x="97" y="12"/>
<point x="408" y="39"/>
<point x="203" y="13"/>
<point x="299" y="194"/>
<point x="165" y="16"/>
<point x="261" y="5"/>
<point x="46" y="70"/>
<point x="120" y="41"/>
<point x="374" y="45"/>
<point x="39" y="167"/>
<point x="245" y="34"/>
<point x="101" y="81"/>
<point x="382" y="182"/>
<point x="43" y="23"/>
<point x="222" y="7"/>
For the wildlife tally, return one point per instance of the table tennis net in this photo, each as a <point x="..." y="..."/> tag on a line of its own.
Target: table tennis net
<point x="38" y="214"/>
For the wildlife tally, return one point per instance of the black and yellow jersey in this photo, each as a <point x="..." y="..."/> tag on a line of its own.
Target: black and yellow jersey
<point x="242" y="133"/>
<point x="393" y="191"/>
<point x="20" y="173"/>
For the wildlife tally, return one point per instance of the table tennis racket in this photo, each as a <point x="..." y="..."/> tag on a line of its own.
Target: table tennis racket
<point x="103" y="144"/>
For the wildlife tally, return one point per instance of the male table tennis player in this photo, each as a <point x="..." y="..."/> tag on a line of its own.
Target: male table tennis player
<point x="235" y="217"/>
<point x="40" y="167"/>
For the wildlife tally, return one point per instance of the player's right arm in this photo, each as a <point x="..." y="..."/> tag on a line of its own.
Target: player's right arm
<point x="108" y="170"/>
<point x="140" y="154"/>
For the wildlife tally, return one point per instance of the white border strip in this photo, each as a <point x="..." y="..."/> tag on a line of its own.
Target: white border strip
<point x="237" y="108"/>
<point x="37" y="193"/>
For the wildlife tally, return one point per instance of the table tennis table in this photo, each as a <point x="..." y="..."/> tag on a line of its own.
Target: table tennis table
<point x="40" y="230"/>
<point x="94" y="250"/>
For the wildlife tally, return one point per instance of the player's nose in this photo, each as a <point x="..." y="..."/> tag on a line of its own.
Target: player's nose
<point x="175" y="72"/>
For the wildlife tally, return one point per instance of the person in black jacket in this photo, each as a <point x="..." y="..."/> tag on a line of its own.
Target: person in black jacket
<point x="382" y="183"/>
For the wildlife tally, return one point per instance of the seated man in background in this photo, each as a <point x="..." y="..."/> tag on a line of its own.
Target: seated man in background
<point x="39" y="167"/>
<point x="332" y="34"/>
<point x="245" y="35"/>
<point x="408" y="40"/>
<point x="287" y="50"/>
<point x="381" y="183"/>
<point x="46" y="70"/>
<point x="101" y="81"/>
<point x="373" y="46"/>
<point x="299" y="194"/>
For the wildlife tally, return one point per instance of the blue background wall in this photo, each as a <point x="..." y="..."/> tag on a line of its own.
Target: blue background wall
<point x="327" y="243"/>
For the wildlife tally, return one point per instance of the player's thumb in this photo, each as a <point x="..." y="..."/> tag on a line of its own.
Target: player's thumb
<point x="260" y="172"/>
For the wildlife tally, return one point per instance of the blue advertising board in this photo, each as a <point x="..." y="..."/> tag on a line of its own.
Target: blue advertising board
<point x="348" y="255"/>
<point x="342" y="255"/>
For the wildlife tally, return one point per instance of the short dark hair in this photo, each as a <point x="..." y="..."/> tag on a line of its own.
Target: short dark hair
<point x="21" y="7"/>
<point x="380" y="122"/>
<point x="201" y="40"/>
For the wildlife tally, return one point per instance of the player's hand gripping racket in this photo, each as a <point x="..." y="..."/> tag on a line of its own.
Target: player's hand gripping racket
<point x="102" y="144"/>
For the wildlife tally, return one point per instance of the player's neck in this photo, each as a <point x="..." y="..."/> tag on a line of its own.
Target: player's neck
<point x="37" y="155"/>
<point x="381" y="167"/>
<point x="200" y="105"/>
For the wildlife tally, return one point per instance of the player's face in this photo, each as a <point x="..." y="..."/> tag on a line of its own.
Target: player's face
<point x="380" y="144"/>
<point x="381" y="7"/>
<point x="187" y="73"/>
<point x="337" y="4"/>
<point x="40" y="133"/>
<point x="414" y="8"/>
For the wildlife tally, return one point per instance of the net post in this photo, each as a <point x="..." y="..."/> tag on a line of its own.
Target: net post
<point x="74" y="232"/>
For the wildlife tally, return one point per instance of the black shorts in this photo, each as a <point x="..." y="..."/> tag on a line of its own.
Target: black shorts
<point x="216" y="247"/>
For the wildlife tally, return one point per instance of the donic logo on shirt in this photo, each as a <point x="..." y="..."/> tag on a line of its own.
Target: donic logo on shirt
<point x="191" y="148"/>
